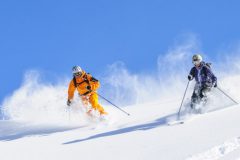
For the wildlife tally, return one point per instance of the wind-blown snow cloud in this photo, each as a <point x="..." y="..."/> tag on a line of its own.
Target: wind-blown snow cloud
<point x="172" y="68"/>
<point x="38" y="101"/>
<point x="178" y="57"/>
<point x="34" y="99"/>
<point x="170" y="79"/>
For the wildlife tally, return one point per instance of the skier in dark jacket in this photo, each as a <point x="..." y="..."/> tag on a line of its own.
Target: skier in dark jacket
<point x="205" y="80"/>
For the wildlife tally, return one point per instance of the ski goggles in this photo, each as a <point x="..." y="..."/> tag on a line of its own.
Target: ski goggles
<point x="196" y="61"/>
<point x="77" y="74"/>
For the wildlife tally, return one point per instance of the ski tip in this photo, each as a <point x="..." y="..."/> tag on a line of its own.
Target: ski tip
<point x="175" y="123"/>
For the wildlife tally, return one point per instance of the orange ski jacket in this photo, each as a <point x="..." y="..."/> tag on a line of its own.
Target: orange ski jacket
<point x="82" y="84"/>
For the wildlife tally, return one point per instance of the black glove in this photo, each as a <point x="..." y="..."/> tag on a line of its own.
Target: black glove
<point x="69" y="102"/>
<point x="215" y="84"/>
<point x="190" y="77"/>
<point x="88" y="88"/>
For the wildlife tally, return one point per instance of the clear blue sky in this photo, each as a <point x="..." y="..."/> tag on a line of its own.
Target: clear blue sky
<point x="53" y="35"/>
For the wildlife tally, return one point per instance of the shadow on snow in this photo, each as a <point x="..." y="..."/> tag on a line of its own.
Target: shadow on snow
<point x="14" y="130"/>
<point x="147" y="126"/>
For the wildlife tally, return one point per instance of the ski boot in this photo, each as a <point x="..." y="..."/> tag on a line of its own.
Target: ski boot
<point x="103" y="116"/>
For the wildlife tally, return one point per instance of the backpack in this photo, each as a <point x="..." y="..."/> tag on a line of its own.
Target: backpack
<point x="208" y="65"/>
<point x="85" y="80"/>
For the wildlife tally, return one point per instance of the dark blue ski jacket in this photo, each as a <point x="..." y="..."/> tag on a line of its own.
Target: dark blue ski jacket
<point x="203" y="75"/>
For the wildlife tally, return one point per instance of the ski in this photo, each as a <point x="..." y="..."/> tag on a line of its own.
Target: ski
<point x="195" y="115"/>
<point x="177" y="122"/>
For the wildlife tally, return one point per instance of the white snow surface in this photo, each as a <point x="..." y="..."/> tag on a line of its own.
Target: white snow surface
<point x="143" y="135"/>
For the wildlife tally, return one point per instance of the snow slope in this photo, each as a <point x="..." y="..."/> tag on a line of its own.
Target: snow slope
<point x="143" y="135"/>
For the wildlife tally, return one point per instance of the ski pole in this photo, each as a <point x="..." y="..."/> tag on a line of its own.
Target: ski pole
<point x="227" y="95"/>
<point x="183" y="100"/>
<point x="112" y="104"/>
<point x="69" y="114"/>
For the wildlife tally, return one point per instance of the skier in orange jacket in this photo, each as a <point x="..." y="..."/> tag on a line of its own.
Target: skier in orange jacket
<point x="86" y="86"/>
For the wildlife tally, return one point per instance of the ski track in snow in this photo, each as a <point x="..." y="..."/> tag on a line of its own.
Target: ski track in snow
<point x="219" y="151"/>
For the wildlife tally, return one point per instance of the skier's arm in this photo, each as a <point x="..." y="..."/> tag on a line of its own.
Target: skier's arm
<point x="211" y="75"/>
<point x="71" y="90"/>
<point x="94" y="83"/>
<point x="191" y="74"/>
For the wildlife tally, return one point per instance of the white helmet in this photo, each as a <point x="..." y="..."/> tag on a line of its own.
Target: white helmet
<point x="196" y="59"/>
<point x="76" y="69"/>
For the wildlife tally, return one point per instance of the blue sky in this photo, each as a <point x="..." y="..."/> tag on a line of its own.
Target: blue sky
<point x="53" y="35"/>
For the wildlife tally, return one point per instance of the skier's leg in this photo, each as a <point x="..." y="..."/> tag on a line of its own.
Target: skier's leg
<point x="194" y="100"/>
<point x="85" y="100"/>
<point x="93" y="99"/>
<point x="204" y="91"/>
<point x="195" y="96"/>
